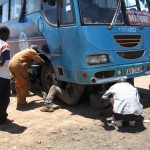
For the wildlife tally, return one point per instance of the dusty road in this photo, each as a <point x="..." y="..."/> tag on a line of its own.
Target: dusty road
<point x="73" y="128"/>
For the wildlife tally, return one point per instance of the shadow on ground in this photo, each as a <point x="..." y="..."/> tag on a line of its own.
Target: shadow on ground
<point x="144" y="97"/>
<point x="84" y="109"/>
<point x="12" y="128"/>
<point x="136" y="129"/>
<point x="139" y="126"/>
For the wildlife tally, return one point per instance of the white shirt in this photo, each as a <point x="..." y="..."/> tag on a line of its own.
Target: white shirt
<point x="126" y="99"/>
<point x="4" y="52"/>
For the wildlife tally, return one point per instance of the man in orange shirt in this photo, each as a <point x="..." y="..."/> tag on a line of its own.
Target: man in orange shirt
<point x="19" y="66"/>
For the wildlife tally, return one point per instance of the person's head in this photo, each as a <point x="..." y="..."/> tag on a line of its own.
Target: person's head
<point x="122" y="79"/>
<point x="35" y="47"/>
<point x="4" y="33"/>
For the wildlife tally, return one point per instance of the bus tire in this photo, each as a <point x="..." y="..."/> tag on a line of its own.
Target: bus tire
<point x="47" y="77"/>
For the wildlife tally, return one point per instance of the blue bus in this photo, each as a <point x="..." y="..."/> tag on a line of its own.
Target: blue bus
<point x="89" y="42"/>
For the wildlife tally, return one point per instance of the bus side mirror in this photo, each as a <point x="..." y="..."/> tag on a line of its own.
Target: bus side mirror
<point x="51" y="2"/>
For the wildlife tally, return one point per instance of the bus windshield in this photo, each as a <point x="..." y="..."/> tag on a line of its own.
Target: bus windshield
<point x="99" y="11"/>
<point x="103" y="12"/>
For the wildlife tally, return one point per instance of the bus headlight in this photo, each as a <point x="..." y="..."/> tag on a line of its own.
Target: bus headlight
<point x="97" y="59"/>
<point x="103" y="59"/>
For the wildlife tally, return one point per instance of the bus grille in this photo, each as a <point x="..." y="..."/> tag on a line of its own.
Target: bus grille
<point x="105" y="74"/>
<point x="131" y="54"/>
<point x="127" y="40"/>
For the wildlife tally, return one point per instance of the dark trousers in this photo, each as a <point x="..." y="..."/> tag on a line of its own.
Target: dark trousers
<point x="4" y="98"/>
<point x="128" y="117"/>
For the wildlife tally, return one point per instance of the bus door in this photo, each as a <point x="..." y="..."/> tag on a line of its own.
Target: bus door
<point x="60" y="33"/>
<point x="67" y="27"/>
<point x="50" y="28"/>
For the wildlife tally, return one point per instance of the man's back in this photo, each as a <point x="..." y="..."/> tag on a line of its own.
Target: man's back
<point x="124" y="91"/>
<point x="126" y="99"/>
<point x="25" y="57"/>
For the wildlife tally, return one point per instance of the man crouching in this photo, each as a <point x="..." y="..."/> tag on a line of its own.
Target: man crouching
<point x="125" y="101"/>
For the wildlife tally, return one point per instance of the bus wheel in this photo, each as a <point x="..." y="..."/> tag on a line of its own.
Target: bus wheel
<point x="47" y="77"/>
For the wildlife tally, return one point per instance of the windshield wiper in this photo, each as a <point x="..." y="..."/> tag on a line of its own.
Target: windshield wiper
<point x="115" y="15"/>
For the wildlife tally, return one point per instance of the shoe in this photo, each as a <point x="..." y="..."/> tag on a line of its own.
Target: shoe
<point x="131" y="123"/>
<point x="117" y="123"/>
<point x="7" y="121"/>
<point x="47" y="109"/>
<point x="52" y="105"/>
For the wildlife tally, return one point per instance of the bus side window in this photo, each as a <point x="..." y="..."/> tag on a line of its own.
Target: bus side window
<point x="67" y="12"/>
<point x="50" y="13"/>
<point x="4" y="12"/>
<point x="33" y="6"/>
<point x="15" y="8"/>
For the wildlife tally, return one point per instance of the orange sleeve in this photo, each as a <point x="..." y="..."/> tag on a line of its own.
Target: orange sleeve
<point x="36" y="57"/>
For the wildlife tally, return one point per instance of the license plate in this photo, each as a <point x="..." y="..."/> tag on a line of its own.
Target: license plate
<point x="134" y="70"/>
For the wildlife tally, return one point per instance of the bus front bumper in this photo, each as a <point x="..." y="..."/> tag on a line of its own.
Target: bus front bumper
<point x="102" y="75"/>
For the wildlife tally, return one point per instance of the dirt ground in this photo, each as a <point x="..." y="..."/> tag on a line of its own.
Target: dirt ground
<point x="74" y="128"/>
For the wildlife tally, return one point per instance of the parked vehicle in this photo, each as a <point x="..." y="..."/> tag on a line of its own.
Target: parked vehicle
<point x="91" y="42"/>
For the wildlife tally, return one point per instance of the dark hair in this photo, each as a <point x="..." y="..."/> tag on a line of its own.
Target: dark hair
<point x="4" y="33"/>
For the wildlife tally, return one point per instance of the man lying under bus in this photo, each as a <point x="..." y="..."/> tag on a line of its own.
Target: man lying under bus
<point x="69" y="93"/>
